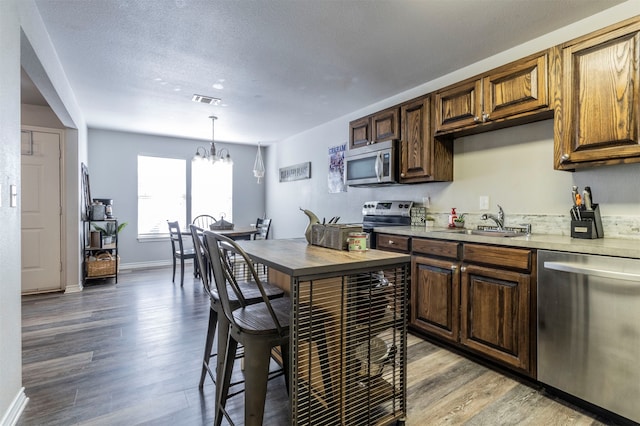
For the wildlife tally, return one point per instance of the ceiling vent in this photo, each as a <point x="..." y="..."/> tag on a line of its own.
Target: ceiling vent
<point x="209" y="100"/>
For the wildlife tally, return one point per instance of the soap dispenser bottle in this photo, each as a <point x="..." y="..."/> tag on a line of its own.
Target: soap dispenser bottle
<point x="452" y="217"/>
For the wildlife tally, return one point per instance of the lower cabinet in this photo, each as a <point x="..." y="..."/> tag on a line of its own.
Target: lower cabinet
<point x="478" y="297"/>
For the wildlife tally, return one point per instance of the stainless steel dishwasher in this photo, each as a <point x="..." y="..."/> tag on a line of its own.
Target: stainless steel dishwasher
<point x="589" y="329"/>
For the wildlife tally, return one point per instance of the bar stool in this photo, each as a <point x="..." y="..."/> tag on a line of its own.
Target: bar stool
<point x="259" y="327"/>
<point x="249" y="294"/>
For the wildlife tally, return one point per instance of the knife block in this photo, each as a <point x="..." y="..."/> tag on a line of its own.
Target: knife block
<point x="590" y="225"/>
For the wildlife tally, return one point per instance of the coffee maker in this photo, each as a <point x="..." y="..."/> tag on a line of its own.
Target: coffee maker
<point x="108" y="203"/>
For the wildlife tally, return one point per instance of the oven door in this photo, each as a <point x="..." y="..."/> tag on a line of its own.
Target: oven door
<point x="372" y="166"/>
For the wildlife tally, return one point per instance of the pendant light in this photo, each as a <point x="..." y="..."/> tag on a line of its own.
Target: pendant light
<point x="258" y="165"/>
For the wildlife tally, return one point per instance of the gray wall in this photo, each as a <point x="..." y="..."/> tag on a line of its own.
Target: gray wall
<point x="113" y="174"/>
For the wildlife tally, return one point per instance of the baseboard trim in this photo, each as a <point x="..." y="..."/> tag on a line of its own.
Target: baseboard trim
<point x="74" y="288"/>
<point x="15" y="410"/>
<point x="146" y="265"/>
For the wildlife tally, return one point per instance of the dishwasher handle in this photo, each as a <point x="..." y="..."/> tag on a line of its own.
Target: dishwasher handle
<point x="580" y="268"/>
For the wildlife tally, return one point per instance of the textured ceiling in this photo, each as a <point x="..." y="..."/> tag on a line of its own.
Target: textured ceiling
<point x="279" y="66"/>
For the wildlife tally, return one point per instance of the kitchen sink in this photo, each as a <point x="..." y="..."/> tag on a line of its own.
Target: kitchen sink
<point x="483" y="232"/>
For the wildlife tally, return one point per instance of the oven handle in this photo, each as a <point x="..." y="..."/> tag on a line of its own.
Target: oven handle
<point x="579" y="268"/>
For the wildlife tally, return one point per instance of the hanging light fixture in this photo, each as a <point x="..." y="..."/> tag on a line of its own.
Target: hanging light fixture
<point x="202" y="154"/>
<point x="258" y="165"/>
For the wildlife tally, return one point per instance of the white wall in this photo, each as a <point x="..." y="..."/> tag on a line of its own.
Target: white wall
<point x="113" y="174"/>
<point x="10" y="336"/>
<point x="514" y="166"/>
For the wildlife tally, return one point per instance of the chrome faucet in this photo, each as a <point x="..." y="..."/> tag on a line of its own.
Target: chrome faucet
<point x="499" y="220"/>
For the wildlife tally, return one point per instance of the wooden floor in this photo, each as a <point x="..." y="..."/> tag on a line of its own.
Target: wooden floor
<point x="130" y="354"/>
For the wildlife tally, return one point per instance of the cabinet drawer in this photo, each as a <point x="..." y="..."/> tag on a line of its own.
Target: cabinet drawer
<point x="393" y="242"/>
<point x="504" y="257"/>
<point x="438" y="248"/>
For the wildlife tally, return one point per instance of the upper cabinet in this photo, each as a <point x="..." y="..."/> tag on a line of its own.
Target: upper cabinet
<point x="596" y="118"/>
<point x="381" y="126"/>
<point x="517" y="92"/>
<point x="422" y="157"/>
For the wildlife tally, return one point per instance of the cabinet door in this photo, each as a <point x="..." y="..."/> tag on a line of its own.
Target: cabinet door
<point x="516" y="89"/>
<point x="359" y="132"/>
<point x="385" y="125"/>
<point x="598" y="117"/>
<point x="435" y="296"/>
<point x="495" y="314"/>
<point x="415" y="146"/>
<point x="459" y="106"/>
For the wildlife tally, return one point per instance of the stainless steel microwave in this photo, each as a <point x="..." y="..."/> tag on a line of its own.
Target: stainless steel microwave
<point x="374" y="164"/>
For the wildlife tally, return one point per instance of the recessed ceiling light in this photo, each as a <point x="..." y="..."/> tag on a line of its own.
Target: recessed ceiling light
<point x="218" y="86"/>
<point x="210" y="100"/>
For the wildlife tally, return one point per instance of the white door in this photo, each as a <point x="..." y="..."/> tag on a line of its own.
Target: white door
<point x="41" y="212"/>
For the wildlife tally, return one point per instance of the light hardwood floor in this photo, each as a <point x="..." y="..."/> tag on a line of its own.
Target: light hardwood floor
<point x="130" y="354"/>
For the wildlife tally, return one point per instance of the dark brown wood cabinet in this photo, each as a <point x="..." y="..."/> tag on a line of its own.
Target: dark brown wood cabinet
<point x="480" y="297"/>
<point x="422" y="157"/>
<point x="435" y="288"/>
<point x="518" y="92"/>
<point x="597" y="116"/>
<point x="390" y="242"/>
<point x="381" y="126"/>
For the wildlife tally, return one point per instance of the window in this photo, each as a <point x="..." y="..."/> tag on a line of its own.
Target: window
<point x="212" y="189"/>
<point x="177" y="189"/>
<point x="162" y="194"/>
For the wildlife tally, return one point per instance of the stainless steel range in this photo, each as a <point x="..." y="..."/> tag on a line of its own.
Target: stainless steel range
<point x="384" y="213"/>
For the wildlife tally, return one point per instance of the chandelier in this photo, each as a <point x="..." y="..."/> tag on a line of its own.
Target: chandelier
<point x="212" y="155"/>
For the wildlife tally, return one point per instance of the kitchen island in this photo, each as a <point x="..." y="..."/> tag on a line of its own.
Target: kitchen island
<point x="348" y="330"/>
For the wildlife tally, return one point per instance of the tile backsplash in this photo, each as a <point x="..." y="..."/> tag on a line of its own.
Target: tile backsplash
<point x="627" y="227"/>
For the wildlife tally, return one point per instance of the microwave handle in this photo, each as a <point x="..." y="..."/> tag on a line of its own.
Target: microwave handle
<point x="378" y="166"/>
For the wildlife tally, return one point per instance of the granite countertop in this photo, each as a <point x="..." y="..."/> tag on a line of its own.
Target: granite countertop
<point x="600" y="246"/>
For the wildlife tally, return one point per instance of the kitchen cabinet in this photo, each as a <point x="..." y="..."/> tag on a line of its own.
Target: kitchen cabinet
<point x="397" y="243"/>
<point x="495" y="301"/>
<point x="381" y="126"/>
<point x="512" y="94"/>
<point x="596" y="119"/>
<point x="476" y="296"/>
<point x="435" y="288"/>
<point x="423" y="158"/>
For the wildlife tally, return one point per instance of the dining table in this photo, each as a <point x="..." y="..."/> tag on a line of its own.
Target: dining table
<point x="348" y="330"/>
<point x="238" y="232"/>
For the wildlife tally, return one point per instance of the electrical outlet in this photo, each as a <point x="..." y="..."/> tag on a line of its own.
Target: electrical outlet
<point x="484" y="202"/>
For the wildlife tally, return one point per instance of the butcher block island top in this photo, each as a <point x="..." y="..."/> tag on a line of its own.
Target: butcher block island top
<point x="348" y="330"/>
<point x="297" y="258"/>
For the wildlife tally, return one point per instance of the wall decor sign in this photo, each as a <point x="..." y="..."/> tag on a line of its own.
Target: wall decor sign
<point x="295" y="172"/>
<point x="336" y="169"/>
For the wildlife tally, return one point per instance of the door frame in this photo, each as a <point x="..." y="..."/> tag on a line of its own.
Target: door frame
<point x="63" y="213"/>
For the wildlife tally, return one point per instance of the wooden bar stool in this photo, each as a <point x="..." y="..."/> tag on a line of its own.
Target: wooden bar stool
<point x="259" y="327"/>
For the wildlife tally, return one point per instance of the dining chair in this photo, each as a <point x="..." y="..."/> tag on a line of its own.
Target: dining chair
<point x="259" y="327"/>
<point x="263" y="226"/>
<point x="179" y="252"/>
<point x="248" y="294"/>
<point x="203" y="221"/>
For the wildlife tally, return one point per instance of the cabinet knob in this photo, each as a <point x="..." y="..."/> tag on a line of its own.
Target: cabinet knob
<point x="564" y="158"/>
<point x="485" y="117"/>
<point x="391" y="242"/>
<point x="401" y="174"/>
<point x="454" y="267"/>
<point x="476" y="119"/>
<point x="463" y="268"/>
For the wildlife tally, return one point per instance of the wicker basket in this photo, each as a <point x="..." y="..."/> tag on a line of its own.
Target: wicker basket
<point x="105" y="264"/>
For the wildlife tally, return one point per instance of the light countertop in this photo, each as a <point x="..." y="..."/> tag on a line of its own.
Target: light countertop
<point x="600" y="246"/>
